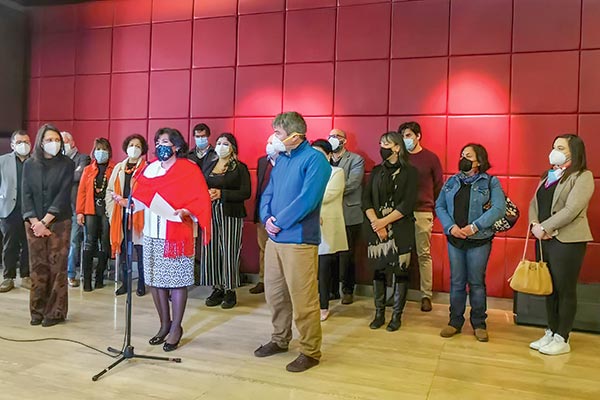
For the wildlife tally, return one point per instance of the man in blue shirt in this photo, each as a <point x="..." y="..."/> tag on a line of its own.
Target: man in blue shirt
<point x="290" y="210"/>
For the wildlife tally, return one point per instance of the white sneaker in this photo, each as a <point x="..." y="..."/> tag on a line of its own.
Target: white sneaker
<point x="543" y="341"/>
<point x="26" y="283"/>
<point x="557" y="346"/>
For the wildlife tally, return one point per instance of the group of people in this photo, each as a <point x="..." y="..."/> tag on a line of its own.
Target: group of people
<point x="184" y="214"/>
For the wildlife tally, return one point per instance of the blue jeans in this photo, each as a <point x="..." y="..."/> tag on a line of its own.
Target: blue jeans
<point x="468" y="266"/>
<point x="75" y="249"/>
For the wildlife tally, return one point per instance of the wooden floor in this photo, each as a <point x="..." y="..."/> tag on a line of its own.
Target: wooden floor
<point x="358" y="363"/>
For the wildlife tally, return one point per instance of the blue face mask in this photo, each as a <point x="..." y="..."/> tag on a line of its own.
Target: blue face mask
<point x="201" y="142"/>
<point x="164" y="152"/>
<point x="410" y="144"/>
<point x="101" y="156"/>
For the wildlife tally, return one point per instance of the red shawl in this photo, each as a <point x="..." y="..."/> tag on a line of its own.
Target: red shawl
<point x="183" y="186"/>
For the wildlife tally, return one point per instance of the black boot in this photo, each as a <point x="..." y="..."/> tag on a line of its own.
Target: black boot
<point x="123" y="288"/>
<point x="229" y="299"/>
<point x="100" y="268"/>
<point x="86" y="265"/>
<point x="400" y="291"/>
<point x="379" y="297"/>
<point x="141" y="284"/>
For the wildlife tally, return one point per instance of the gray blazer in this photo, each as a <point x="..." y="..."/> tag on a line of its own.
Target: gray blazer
<point x="354" y="171"/>
<point x="569" y="222"/>
<point x="8" y="184"/>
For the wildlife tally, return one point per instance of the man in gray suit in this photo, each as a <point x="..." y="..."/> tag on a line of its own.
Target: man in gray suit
<point x="11" y="219"/>
<point x="354" y="170"/>
<point x="81" y="161"/>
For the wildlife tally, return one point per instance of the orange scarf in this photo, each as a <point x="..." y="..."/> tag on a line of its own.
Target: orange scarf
<point x="116" y="222"/>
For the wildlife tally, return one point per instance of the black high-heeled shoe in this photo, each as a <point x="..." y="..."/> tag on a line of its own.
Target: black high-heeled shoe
<point x="157" y="339"/>
<point x="170" y="347"/>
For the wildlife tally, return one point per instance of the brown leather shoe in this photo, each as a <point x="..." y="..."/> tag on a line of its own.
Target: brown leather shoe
<point x="481" y="334"/>
<point x="259" y="288"/>
<point x="269" y="349"/>
<point x="302" y="363"/>
<point x="7" y="285"/>
<point x="449" y="331"/>
<point x="73" y="282"/>
<point x="47" y="322"/>
<point x="347" y="298"/>
<point x="426" y="304"/>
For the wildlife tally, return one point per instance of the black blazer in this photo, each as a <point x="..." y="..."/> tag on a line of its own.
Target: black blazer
<point x="47" y="187"/>
<point x="206" y="163"/>
<point x="81" y="161"/>
<point x="235" y="189"/>
<point x="261" y="171"/>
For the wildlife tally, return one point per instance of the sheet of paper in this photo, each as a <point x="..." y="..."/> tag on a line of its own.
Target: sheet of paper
<point x="160" y="207"/>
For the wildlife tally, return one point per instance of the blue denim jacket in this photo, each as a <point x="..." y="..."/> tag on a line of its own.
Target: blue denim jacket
<point x="480" y="195"/>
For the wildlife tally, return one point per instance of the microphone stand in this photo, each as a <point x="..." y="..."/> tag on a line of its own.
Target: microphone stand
<point x="127" y="352"/>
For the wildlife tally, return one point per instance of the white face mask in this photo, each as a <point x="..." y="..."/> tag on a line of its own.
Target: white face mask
<point x="278" y="145"/>
<point x="52" y="148"/>
<point x="557" y="157"/>
<point x="222" y="150"/>
<point x="334" y="142"/>
<point x="134" y="152"/>
<point x="23" y="149"/>
<point x="67" y="149"/>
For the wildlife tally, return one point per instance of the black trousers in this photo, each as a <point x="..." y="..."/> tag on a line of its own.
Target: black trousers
<point x="15" y="245"/>
<point x="327" y="264"/>
<point x="347" y="263"/>
<point x="564" y="262"/>
<point x="97" y="234"/>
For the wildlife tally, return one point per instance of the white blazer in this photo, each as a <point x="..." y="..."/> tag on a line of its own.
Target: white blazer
<point x="333" y="227"/>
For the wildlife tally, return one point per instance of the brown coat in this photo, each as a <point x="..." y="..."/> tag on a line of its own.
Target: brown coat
<point x="569" y="222"/>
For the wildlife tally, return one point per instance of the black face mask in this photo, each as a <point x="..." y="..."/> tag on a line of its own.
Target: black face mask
<point x="465" y="165"/>
<point x="385" y="153"/>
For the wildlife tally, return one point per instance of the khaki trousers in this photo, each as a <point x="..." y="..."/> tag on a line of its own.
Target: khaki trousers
<point x="291" y="290"/>
<point x="423" y="228"/>
<point x="261" y="239"/>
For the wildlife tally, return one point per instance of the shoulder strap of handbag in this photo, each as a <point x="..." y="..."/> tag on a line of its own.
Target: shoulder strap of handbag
<point x="527" y="241"/>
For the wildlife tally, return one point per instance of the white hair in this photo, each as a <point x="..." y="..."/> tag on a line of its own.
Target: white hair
<point x="66" y="135"/>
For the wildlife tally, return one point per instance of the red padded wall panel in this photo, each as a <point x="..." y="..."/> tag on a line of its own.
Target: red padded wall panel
<point x="594" y="213"/>
<point x="211" y="8"/>
<point x="433" y="132"/>
<point x="495" y="268"/>
<point x="300" y="4"/>
<point x="480" y="26"/>
<point x="545" y="82"/>
<point x="479" y="85"/>
<point x="131" y="48"/>
<point x="546" y="25"/>
<point x="491" y="132"/>
<point x="96" y="14"/>
<point x="171" y="10"/>
<point x="94" y="52"/>
<point x="589" y="130"/>
<point x="56" y="98"/>
<point x="589" y="83"/>
<point x="363" y="136"/>
<point x="252" y="135"/>
<point x="119" y="130"/>
<point x="171" y="45"/>
<point x="419" y="86"/>
<point x="361" y="88"/>
<point x="212" y="92"/>
<point x="310" y="44"/>
<point x="36" y="57"/>
<point x="590" y="273"/>
<point x="258" y="91"/>
<point x="354" y="2"/>
<point x="439" y="255"/>
<point x="132" y="12"/>
<point x="308" y="88"/>
<point x="318" y="127"/>
<point x="33" y="100"/>
<point x="214" y="42"/>
<point x="521" y="190"/>
<point x="129" y="96"/>
<point x="260" y="6"/>
<point x="93" y="106"/>
<point x="363" y="32"/>
<point x="61" y="18"/>
<point x="169" y="94"/>
<point x="260" y="39"/>
<point x="57" y="54"/>
<point x="420" y="28"/>
<point x="84" y="133"/>
<point x="590" y="36"/>
<point x="537" y="132"/>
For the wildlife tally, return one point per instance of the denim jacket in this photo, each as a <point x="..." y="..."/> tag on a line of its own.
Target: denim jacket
<point x="480" y="195"/>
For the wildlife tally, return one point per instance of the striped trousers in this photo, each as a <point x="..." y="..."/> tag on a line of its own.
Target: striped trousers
<point x="220" y="259"/>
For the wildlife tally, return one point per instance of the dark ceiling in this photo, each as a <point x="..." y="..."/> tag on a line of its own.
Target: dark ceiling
<point x="33" y="3"/>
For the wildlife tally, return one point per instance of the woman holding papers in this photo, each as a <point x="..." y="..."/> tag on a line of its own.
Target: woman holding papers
<point x="174" y="208"/>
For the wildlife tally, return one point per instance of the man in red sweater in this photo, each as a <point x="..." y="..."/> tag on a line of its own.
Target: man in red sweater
<point x="430" y="183"/>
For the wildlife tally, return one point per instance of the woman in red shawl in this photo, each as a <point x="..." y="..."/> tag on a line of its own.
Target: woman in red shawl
<point x="175" y="195"/>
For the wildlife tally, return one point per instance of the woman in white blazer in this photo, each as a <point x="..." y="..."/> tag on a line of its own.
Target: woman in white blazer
<point x="333" y="227"/>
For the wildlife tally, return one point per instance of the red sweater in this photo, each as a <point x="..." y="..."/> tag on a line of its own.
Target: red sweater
<point x="430" y="178"/>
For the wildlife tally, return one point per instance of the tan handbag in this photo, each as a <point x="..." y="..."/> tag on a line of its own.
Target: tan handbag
<point x="532" y="277"/>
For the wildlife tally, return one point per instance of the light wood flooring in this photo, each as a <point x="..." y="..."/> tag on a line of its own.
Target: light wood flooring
<point x="358" y="363"/>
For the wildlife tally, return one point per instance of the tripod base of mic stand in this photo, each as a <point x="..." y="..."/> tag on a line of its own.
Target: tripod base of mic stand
<point x="128" y="353"/>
